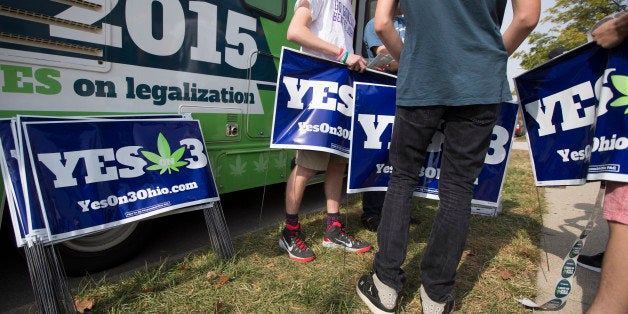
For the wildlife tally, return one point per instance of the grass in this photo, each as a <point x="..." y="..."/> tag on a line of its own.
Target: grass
<point x="499" y="265"/>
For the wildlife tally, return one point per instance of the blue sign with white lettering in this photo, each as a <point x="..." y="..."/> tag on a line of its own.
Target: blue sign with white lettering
<point x="91" y="175"/>
<point x="369" y="167"/>
<point x="575" y="113"/>
<point x="34" y="216"/>
<point x="314" y="102"/>
<point x="9" y="165"/>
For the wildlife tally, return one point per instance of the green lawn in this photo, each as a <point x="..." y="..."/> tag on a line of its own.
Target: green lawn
<point x="499" y="265"/>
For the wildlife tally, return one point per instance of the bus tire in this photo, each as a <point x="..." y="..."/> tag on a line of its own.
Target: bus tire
<point x="103" y="250"/>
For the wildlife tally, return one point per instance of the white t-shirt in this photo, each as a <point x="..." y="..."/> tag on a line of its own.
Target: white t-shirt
<point x="332" y="21"/>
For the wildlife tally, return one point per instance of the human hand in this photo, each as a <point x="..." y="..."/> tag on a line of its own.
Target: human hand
<point x="612" y="32"/>
<point x="356" y="63"/>
<point x="392" y="67"/>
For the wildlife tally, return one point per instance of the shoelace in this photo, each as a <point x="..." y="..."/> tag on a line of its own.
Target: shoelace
<point x="297" y="239"/>
<point x="342" y="231"/>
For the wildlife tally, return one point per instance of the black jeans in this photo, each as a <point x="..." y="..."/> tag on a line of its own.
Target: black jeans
<point x="372" y="203"/>
<point x="468" y="131"/>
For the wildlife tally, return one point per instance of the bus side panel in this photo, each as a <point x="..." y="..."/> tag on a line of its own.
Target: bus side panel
<point x="213" y="58"/>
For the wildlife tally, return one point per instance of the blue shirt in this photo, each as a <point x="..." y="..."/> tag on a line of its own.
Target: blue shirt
<point x="372" y="40"/>
<point x="453" y="54"/>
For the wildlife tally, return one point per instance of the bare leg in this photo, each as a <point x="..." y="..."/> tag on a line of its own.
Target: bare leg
<point x="295" y="187"/>
<point x="333" y="186"/>
<point x="612" y="294"/>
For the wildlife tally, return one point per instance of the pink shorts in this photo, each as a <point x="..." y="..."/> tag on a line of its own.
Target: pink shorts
<point x="616" y="202"/>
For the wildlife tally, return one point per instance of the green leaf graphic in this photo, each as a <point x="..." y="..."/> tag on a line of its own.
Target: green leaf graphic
<point x="178" y="153"/>
<point x="162" y="145"/>
<point x="620" y="102"/>
<point x="165" y="161"/>
<point x="154" y="167"/>
<point x="621" y="83"/>
<point x="151" y="156"/>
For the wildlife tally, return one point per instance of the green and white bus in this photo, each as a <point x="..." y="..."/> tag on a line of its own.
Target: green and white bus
<point x="214" y="59"/>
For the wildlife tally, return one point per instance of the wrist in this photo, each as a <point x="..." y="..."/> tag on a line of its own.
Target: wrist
<point x="345" y="57"/>
<point x="342" y="55"/>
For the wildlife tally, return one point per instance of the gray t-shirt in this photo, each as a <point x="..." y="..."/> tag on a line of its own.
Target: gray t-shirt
<point x="453" y="54"/>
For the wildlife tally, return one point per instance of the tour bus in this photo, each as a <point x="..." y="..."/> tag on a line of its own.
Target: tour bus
<point x="214" y="59"/>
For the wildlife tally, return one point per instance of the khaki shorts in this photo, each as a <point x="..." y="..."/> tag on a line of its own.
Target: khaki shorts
<point x="316" y="160"/>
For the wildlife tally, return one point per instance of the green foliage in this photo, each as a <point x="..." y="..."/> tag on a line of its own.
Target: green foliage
<point x="572" y="20"/>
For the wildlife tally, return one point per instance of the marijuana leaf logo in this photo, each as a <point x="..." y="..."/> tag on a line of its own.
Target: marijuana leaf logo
<point x="262" y="164"/>
<point x="238" y="168"/>
<point x="280" y="161"/>
<point x="165" y="161"/>
<point x="621" y="84"/>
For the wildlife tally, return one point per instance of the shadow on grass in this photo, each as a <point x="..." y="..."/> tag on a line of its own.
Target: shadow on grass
<point x="492" y="249"/>
<point x="497" y="247"/>
<point x="488" y="236"/>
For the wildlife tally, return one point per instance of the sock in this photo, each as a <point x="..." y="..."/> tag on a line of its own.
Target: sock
<point x="292" y="220"/>
<point x="331" y="218"/>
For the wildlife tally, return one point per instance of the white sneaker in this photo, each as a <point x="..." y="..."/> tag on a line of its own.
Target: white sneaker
<point x="433" y="307"/>
<point x="379" y="297"/>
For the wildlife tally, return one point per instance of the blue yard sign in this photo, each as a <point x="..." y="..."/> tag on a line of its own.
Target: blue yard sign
<point x="92" y="174"/>
<point x="9" y="165"/>
<point x="369" y="167"/>
<point x="314" y="102"/>
<point x="575" y="110"/>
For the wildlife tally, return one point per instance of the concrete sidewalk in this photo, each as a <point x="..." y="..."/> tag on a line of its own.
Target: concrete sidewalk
<point x="568" y="211"/>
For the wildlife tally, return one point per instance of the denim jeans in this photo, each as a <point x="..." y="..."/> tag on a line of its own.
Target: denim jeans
<point x="468" y="131"/>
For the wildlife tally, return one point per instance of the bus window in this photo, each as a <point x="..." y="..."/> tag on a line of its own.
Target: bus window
<point x="273" y="10"/>
<point x="366" y="11"/>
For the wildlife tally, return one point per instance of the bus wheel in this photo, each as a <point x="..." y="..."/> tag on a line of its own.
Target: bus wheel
<point x="105" y="249"/>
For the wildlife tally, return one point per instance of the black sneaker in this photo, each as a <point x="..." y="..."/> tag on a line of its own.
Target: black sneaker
<point x="591" y="262"/>
<point x="292" y="241"/>
<point x="378" y="302"/>
<point x="335" y="237"/>
<point x="371" y="223"/>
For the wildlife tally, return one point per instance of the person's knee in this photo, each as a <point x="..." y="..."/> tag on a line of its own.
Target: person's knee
<point x="335" y="168"/>
<point x="303" y="172"/>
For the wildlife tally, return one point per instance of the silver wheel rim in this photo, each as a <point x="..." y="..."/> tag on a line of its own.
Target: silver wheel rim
<point x="102" y="240"/>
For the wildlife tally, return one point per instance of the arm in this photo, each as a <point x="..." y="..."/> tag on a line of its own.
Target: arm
<point x="376" y="47"/>
<point x="299" y="33"/>
<point x="525" y="16"/>
<point x="611" y="33"/>
<point x="385" y="27"/>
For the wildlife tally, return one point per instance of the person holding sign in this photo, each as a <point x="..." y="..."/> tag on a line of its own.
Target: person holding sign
<point x="373" y="201"/>
<point x="374" y="45"/>
<point x="323" y="28"/>
<point x="612" y="294"/>
<point x="452" y="68"/>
